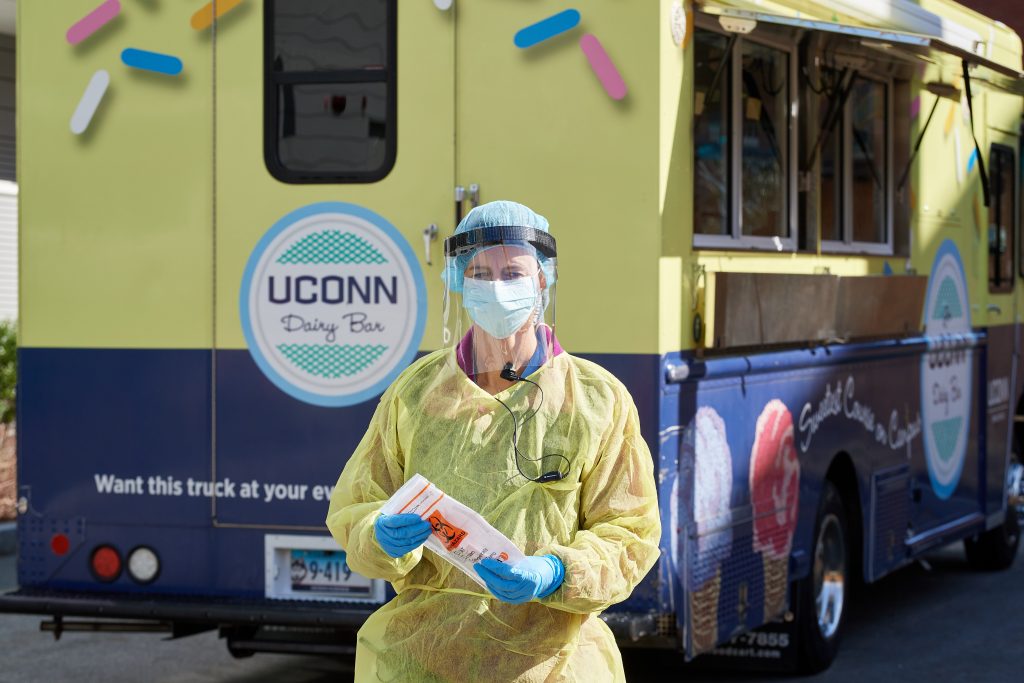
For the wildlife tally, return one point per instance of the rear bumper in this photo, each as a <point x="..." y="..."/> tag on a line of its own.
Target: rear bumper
<point x="194" y="609"/>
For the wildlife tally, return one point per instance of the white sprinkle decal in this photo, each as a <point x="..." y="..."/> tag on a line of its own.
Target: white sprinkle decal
<point x="90" y="101"/>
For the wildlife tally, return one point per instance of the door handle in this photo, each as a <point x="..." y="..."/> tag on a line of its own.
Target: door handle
<point x="429" y="235"/>
<point x="993" y="308"/>
<point x="461" y="195"/>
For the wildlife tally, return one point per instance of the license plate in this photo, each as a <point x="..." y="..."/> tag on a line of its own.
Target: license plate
<point x="326" y="571"/>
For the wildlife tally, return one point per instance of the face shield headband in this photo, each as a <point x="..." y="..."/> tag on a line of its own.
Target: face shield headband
<point x="461" y="247"/>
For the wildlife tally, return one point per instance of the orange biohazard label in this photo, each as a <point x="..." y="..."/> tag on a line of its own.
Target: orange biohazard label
<point x="451" y="536"/>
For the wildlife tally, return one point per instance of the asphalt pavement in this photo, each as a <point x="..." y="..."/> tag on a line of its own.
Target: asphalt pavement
<point x="948" y="623"/>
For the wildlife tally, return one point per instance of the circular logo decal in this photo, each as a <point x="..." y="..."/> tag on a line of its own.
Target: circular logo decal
<point x="333" y="304"/>
<point x="946" y="371"/>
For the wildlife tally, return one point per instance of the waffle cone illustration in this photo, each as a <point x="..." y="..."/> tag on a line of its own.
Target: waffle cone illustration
<point x="704" y="614"/>
<point x="776" y="580"/>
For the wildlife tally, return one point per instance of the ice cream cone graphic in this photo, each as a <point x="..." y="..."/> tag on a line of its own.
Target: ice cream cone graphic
<point x="704" y="614"/>
<point x="774" y="494"/>
<point x="712" y="515"/>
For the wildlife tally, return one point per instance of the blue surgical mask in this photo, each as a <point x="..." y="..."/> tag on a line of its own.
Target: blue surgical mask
<point x="501" y="307"/>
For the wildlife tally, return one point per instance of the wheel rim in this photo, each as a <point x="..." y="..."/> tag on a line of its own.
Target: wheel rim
<point x="1015" y="489"/>
<point x="829" y="575"/>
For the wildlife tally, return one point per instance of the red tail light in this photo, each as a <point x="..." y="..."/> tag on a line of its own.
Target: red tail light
<point x="106" y="563"/>
<point x="60" y="544"/>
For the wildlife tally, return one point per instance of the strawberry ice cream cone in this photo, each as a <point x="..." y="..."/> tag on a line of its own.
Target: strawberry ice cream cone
<point x="774" y="494"/>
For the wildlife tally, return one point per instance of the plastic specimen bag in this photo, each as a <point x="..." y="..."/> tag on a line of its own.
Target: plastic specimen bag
<point x="460" y="535"/>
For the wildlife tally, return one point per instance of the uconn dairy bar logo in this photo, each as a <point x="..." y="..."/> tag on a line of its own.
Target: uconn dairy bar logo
<point x="946" y="371"/>
<point x="332" y="304"/>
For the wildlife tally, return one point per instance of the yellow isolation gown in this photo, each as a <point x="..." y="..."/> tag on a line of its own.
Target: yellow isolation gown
<point x="601" y="520"/>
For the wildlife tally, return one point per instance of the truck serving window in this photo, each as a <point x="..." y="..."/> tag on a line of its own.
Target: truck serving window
<point x="743" y="114"/>
<point x="855" y="164"/>
<point x="329" y="90"/>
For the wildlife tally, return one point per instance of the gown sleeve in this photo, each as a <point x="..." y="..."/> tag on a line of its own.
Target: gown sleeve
<point x="374" y="472"/>
<point x="619" y="525"/>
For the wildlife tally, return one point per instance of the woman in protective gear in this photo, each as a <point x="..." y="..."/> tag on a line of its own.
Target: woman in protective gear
<point x="544" y="445"/>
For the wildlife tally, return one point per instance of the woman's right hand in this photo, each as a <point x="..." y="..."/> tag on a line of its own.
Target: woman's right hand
<point x="402" y="533"/>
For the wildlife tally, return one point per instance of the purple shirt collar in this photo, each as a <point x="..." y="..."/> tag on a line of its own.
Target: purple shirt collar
<point x="464" y="351"/>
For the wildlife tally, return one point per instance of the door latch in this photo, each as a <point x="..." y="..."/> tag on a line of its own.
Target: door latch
<point x="429" y="235"/>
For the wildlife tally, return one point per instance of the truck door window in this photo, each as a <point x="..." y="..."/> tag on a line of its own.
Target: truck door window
<point x="329" y="98"/>
<point x="1002" y="215"/>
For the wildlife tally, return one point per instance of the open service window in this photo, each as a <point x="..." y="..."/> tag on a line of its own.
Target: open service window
<point x="330" y="90"/>
<point x="744" y="147"/>
<point x="856" y="180"/>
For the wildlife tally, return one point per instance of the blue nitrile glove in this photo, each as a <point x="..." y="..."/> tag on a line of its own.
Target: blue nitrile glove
<point x="400" y="534"/>
<point x="533" y="577"/>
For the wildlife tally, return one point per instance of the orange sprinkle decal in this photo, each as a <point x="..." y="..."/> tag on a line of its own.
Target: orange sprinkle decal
<point x="951" y="117"/>
<point x="203" y="19"/>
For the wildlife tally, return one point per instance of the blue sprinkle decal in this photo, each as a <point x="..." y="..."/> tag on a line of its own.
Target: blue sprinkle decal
<point x="973" y="160"/>
<point x="547" y="28"/>
<point x="886" y="269"/>
<point x="151" y="61"/>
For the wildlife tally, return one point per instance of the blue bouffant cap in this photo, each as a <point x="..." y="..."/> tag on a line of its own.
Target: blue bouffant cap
<point x="502" y="214"/>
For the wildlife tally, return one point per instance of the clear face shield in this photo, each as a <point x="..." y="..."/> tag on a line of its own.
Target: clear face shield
<point x="499" y="299"/>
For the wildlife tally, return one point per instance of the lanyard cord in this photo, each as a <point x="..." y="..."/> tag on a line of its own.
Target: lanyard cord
<point x="553" y="475"/>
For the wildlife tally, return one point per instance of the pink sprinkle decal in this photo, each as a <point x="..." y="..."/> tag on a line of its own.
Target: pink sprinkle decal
<point x="93" y="21"/>
<point x="915" y="107"/>
<point x="602" y="65"/>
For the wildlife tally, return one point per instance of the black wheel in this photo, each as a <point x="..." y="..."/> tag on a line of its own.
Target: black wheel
<point x="821" y="597"/>
<point x="995" y="549"/>
<point x="240" y="654"/>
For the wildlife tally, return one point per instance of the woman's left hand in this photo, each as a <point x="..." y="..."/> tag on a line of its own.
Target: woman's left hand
<point x="533" y="577"/>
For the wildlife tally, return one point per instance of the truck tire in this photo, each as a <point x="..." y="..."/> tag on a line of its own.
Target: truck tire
<point x="995" y="549"/>
<point x="822" y="595"/>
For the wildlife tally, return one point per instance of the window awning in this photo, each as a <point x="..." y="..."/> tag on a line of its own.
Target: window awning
<point x="896" y="43"/>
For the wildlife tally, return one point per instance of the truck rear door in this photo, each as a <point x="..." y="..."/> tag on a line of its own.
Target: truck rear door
<point x="334" y="154"/>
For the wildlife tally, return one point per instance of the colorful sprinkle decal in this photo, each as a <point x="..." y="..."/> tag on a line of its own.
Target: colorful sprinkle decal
<point x="602" y="65"/>
<point x="950" y="118"/>
<point x="203" y="19"/>
<point x="151" y="61"/>
<point x="915" y="107"/>
<point x="91" y="99"/>
<point x="93" y="21"/>
<point x="972" y="160"/>
<point x="546" y="29"/>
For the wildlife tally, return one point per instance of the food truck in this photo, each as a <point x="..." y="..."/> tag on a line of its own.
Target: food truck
<point x="791" y="228"/>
